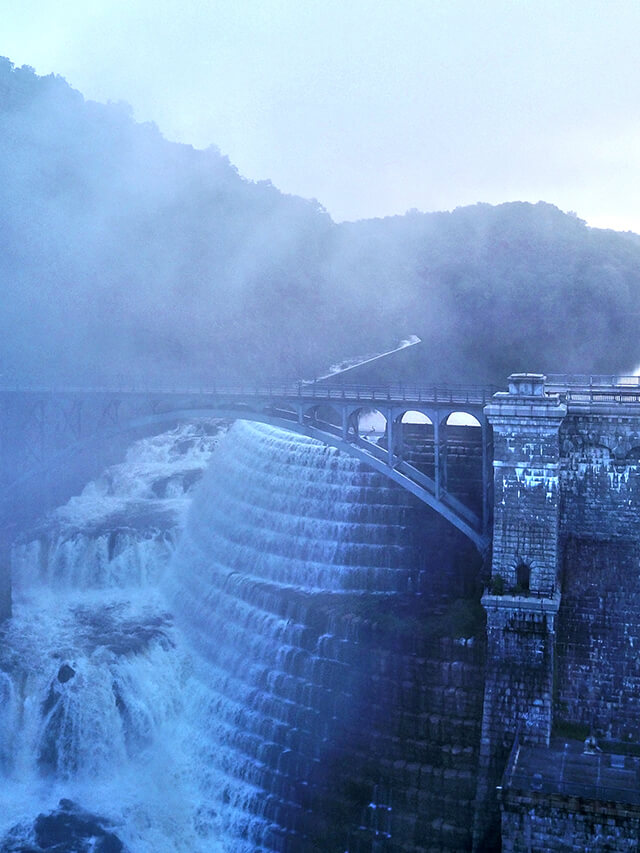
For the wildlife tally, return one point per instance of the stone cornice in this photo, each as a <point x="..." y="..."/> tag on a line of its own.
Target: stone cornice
<point x="522" y="603"/>
<point x="504" y="407"/>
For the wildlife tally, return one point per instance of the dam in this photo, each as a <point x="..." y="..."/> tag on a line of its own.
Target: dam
<point x="373" y="673"/>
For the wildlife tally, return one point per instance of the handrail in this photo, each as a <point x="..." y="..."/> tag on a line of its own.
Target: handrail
<point x="583" y="388"/>
<point x="618" y="394"/>
<point x="584" y="380"/>
<point x="440" y="393"/>
<point x="450" y="394"/>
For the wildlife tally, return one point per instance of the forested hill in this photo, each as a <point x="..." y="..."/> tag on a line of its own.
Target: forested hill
<point x="123" y="254"/>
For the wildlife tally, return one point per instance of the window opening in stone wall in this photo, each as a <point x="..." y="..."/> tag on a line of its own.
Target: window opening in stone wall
<point x="523" y="576"/>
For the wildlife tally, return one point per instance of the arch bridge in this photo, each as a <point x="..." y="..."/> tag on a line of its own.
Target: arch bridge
<point x="37" y="425"/>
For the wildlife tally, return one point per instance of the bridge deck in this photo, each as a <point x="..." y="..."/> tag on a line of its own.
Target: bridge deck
<point x="476" y="395"/>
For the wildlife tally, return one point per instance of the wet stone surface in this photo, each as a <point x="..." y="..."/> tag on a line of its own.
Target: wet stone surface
<point x="65" y="673"/>
<point x="68" y="828"/>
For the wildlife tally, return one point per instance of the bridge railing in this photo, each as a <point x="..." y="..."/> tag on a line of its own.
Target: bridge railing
<point x="477" y="395"/>
<point x="454" y="394"/>
<point x="584" y="388"/>
<point x="601" y="380"/>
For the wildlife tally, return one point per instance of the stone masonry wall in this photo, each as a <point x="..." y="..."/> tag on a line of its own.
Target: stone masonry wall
<point x="598" y="668"/>
<point x="424" y="729"/>
<point x="518" y="687"/>
<point x="420" y="753"/>
<point x="600" y="473"/>
<point x="567" y="506"/>
<point x="462" y="446"/>
<point x="525" y="503"/>
<point x="598" y="673"/>
<point x="519" y="669"/>
<point x="520" y="624"/>
<point x="538" y="824"/>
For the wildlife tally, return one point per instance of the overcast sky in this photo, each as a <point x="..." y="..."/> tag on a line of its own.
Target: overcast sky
<point x="372" y="106"/>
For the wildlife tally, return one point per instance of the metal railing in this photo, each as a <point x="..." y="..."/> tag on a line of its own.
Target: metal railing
<point x="583" y="388"/>
<point x="586" y="380"/>
<point x="438" y="394"/>
<point x="572" y="387"/>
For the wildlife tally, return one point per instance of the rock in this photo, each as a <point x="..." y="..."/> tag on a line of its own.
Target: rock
<point x="65" y="673"/>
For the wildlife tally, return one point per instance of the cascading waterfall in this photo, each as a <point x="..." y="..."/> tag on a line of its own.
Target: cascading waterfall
<point x="233" y="692"/>
<point x="96" y="743"/>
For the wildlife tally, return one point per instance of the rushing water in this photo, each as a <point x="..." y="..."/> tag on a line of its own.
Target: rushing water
<point x="94" y="679"/>
<point x="196" y="696"/>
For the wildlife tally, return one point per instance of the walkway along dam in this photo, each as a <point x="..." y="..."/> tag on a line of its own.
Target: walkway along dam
<point x="357" y="723"/>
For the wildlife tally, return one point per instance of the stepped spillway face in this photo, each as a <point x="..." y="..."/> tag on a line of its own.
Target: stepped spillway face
<point x="339" y="713"/>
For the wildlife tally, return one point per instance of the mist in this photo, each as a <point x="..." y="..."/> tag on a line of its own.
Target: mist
<point x="128" y="258"/>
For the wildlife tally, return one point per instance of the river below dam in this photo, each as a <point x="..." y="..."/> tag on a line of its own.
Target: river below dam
<point x="100" y="695"/>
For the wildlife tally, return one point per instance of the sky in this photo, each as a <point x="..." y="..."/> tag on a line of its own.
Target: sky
<point x="372" y="107"/>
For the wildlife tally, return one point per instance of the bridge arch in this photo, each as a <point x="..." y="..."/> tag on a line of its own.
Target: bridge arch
<point x="446" y="505"/>
<point x="459" y="417"/>
<point x="416" y="416"/>
<point x="370" y="419"/>
<point x="327" y="413"/>
<point x="375" y="457"/>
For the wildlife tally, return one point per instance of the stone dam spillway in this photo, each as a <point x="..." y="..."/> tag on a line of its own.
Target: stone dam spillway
<point x="323" y="661"/>
<point x="333" y="697"/>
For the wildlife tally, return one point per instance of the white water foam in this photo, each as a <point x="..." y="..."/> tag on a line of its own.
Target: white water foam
<point x="100" y="698"/>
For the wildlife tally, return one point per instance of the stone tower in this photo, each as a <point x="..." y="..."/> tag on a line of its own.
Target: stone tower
<point x="523" y="599"/>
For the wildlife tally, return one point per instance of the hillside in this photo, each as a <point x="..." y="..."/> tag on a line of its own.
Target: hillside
<point x="123" y="254"/>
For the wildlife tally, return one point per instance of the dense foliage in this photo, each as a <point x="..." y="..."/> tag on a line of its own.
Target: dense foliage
<point x="124" y="254"/>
